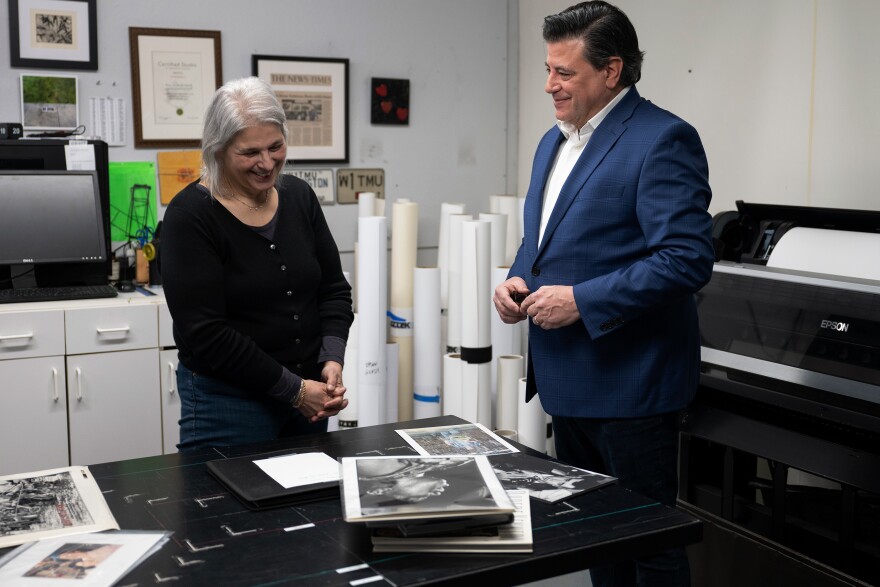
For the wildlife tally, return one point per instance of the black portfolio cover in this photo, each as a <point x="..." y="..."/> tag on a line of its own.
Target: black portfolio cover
<point x="258" y="491"/>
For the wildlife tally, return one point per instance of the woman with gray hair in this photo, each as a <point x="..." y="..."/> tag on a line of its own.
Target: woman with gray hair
<point x="254" y="284"/>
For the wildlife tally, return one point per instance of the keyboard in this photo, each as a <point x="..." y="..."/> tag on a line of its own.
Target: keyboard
<point x="50" y="294"/>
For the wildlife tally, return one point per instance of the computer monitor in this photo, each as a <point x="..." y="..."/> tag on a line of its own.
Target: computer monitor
<point x="49" y="218"/>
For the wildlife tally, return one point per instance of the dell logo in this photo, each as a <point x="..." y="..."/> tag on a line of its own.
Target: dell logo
<point x="832" y="325"/>
<point x="27" y="260"/>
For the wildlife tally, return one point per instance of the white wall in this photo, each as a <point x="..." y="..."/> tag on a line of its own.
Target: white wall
<point x="783" y="93"/>
<point x="460" y="144"/>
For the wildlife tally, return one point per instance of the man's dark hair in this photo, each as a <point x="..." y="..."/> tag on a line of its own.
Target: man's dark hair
<point x="606" y="32"/>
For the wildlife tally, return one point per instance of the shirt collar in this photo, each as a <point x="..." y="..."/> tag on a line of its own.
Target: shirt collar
<point x="580" y="136"/>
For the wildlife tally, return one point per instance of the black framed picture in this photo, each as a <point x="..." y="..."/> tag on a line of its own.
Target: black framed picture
<point x="314" y="94"/>
<point x="54" y="34"/>
<point x="390" y="101"/>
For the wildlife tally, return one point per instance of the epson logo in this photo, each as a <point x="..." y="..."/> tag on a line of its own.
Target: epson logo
<point x="832" y="325"/>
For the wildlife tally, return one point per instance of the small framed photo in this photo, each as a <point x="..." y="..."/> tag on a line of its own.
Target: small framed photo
<point x="174" y="74"/>
<point x="49" y="102"/>
<point x="389" y="101"/>
<point x="314" y="94"/>
<point x="54" y="34"/>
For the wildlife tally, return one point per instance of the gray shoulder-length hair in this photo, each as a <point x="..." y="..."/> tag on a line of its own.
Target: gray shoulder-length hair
<point x="238" y="104"/>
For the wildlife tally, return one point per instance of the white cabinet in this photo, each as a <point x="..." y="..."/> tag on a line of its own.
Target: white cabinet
<point x="112" y="380"/>
<point x="80" y="382"/>
<point x="33" y="418"/>
<point x="168" y="373"/>
<point x="33" y="404"/>
<point x="170" y="400"/>
<point x="114" y="411"/>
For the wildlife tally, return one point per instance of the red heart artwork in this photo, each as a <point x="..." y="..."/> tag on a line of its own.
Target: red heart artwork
<point x="385" y="105"/>
<point x="382" y="90"/>
<point x="402" y="113"/>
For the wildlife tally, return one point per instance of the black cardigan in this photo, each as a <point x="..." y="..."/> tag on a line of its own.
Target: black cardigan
<point x="245" y="307"/>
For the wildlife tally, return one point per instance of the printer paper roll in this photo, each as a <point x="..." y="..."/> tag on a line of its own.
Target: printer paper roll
<point x="833" y="252"/>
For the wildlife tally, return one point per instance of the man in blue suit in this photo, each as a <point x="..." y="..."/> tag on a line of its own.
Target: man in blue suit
<point x="617" y="238"/>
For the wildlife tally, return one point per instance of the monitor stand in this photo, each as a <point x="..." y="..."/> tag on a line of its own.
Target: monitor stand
<point x="23" y="276"/>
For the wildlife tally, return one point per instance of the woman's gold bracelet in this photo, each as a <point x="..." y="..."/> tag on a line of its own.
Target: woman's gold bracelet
<point x="300" y="395"/>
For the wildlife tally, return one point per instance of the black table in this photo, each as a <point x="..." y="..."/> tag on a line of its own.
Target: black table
<point x="217" y="541"/>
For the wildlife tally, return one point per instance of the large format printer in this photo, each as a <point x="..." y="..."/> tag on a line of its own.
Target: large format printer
<point x="780" y="450"/>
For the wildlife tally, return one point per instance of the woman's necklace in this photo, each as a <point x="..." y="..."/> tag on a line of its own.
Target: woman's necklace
<point x="248" y="206"/>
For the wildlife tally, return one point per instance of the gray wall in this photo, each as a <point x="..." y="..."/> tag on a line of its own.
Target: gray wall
<point x="783" y="93"/>
<point x="460" y="145"/>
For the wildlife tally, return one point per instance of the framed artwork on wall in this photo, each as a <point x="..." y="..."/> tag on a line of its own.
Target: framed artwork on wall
<point x="174" y="74"/>
<point x="314" y="94"/>
<point x="49" y="102"/>
<point x="53" y="34"/>
<point x="389" y="103"/>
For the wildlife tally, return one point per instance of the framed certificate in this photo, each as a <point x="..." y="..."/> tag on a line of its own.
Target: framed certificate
<point x="174" y="74"/>
<point x="314" y="94"/>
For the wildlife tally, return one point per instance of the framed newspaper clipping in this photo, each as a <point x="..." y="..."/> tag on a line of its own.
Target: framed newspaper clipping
<point x="314" y="94"/>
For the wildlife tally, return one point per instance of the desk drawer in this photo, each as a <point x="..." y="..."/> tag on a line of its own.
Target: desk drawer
<point x="95" y="330"/>
<point x="31" y="334"/>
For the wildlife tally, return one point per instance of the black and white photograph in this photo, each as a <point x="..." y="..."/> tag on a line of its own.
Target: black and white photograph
<point x="544" y="479"/>
<point x="458" y="439"/>
<point x="400" y="488"/>
<point x="51" y="503"/>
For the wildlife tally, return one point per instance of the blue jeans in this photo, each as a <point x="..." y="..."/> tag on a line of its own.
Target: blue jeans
<point x="215" y="414"/>
<point x="643" y="454"/>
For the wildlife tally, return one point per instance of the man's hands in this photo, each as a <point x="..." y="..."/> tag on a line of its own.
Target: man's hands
<point x="552" y="306"/>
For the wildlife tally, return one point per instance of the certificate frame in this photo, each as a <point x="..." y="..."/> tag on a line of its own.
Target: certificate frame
<point x="174" y="73"/>
<point x="309" y="87"/>
<point x="57" y="34"/>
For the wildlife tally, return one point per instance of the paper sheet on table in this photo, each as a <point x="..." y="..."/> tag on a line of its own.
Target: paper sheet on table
<point x="300" y="469"/>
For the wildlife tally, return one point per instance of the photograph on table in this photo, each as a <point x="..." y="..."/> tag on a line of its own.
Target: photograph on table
<point x="546" y="480"/>
<point x="458" y="439"/>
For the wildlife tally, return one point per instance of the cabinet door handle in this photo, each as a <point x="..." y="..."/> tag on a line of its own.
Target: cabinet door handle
<point x="172" y="377"/>
<point x="17" y="336"/>
<point x="112" y="330"/>
<point x="55" y="384"/>
<point x="79" y="395"/>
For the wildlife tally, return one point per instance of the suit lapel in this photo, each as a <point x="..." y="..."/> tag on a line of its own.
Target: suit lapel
<point x="600" y="144"/>
<point x="544" y="158"/>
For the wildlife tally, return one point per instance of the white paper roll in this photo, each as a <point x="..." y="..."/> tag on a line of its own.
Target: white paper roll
<point x="446" y="210"/>
<point x="531" y="420"/>
<point x="348" y="416"/>
<point x="372" y="309"/>
<point x="453" y="308"/>
<point x="476" y="399"/>
<point x="427" y="344"/>
<point x="404" y="241"/>
<point x="392" y="360"/>
<point x="510" y="371"/>
<point x="505" y="337"/>
<point x="476" y="329"/>
<point x="833" y="252"/>
<point x="451" y="397"/>
<point x="497" y="252"/>
<point x="508" y="204"/>
<point x="476" y="293"/>
<point x="367" y="204"/>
